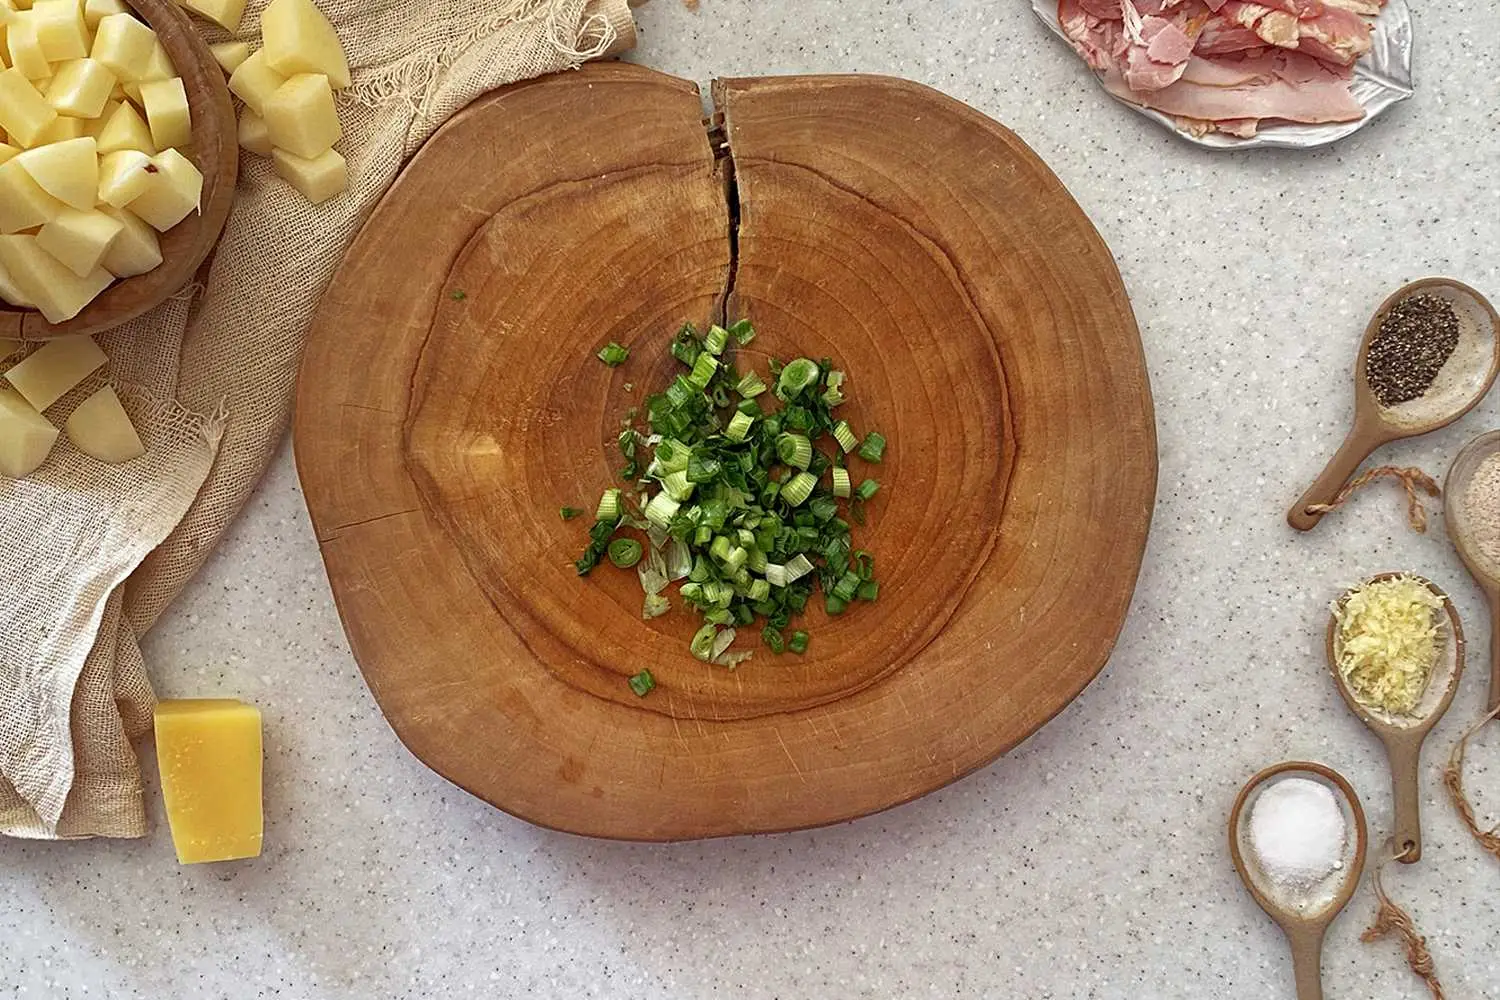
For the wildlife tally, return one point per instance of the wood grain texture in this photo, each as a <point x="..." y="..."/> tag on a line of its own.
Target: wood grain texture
<point x="984" y="328"/>
<point x="184" y="247"/>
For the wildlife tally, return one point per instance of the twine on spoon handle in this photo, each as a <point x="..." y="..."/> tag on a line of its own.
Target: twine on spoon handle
<point x="1412" y="479"/>
<point x="1453" y="780"/>
<point x="1390" y="918"/>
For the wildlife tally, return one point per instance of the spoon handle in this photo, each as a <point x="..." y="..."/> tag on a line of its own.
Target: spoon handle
<point x="1307" y="961"/>
<point x="1355" y="449"/>
<point x="1405" y="756"/>
<point x="1493" y="593"/>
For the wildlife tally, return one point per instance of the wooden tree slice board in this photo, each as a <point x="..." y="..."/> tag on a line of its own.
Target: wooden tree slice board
<point x="450" y="403"/>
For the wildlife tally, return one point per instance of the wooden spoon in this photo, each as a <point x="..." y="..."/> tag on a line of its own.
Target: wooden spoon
<point x="1304" y="926"/>
<point x="1486" y="572"/>
<point x="1461" y="383"/>
<point x="1402" y="735"/>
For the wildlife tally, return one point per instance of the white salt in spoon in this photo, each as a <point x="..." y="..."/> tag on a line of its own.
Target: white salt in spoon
<point x="1403" y="735"/>
<point x="1461" y="383"/>
<point x="1459" y="517"/>
<point x="1303" y="914"/>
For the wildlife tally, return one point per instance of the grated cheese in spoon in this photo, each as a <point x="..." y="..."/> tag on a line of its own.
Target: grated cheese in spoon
<point x="1388" y="642"/>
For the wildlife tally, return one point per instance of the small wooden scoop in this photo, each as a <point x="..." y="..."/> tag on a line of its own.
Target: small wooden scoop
<point x="1304" y="926"/>
<point x="1461" y="384"/>
<point x="1485" y="572"/>
<point x="1403" y="736"/>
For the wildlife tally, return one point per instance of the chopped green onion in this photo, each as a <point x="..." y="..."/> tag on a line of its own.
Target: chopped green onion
<point x="703" y="468"/>
<point x="796" y="376"/>
<point x="868" y="590"/>
<point x="799" y="488"/>
<point x="840" y="482"/>
<point x="844" y="435"/>
<point x="772" y="638"/>
<point x="642" y="683"/>
<point x="568" y="513"/>
<point x="662" y="509"/>
<point x="867" y="489"/>
<point x="702" y="645"/>
<point x="677" y="486"/>
<point x="704" y="370"/>
<point x="625" y="552"/>
<point x="846" y="587"/>
<point x="609" y="507"/>
<point x="685" y="346"/>
<point x="795" y="450"/>
<point x="756" y="562"/>
<point x="873" y="448"/>
<point x="720" y="548"/>
<point x="742" y="332"/>
<point x="656" y="606"/>
<point x="798" y="642"/>
<point x="613" y="354"/>
<point x="750" y="386"/>
<point x="833" y="393"/>
<point x="716" y="340"/>
<point x="776" y="575"/>
<point x="797" y="568"/>
<point x="750" y="408"/>
<point x="739" y="427"/>
<point x="735" y="560"/>
<point x="759" y="590"/>
<point x="834" y="605"/>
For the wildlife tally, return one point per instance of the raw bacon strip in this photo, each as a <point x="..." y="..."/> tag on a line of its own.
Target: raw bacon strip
<point x="1310" y="103"/>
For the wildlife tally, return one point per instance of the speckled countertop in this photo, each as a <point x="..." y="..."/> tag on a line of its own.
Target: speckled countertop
<point x="1091" y="862"/>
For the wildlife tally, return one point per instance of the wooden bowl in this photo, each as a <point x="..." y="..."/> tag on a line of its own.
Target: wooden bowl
<point x="184" y="247"/>
<point x="450" y="402"/>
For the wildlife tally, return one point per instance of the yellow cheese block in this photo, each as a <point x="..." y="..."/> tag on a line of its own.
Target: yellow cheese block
<point x="209" y="752"/>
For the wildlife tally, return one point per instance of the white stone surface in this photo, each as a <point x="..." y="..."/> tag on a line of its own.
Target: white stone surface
<point x="1090" y="863"/>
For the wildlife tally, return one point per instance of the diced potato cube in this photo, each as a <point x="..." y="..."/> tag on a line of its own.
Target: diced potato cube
<point x="23" y="111"/>
<point x="95" y="11"/>
<point x="254" y="135"/>
<point x="79" y="239"/>
<point x="93" y="126"/>
<point x="7" y="151"/>
<point x="61" y="129"/>
<point x="159" y="66"/>
<point x="225" y="13"/>
<point x="126" y="129"/>
<point x="167" y="112"/>
<point x="136" y="250"/>
<point x="24" y="49"/>
<point x="301" y="117"/>
<point x="52" y="371"/>
<point x="80" y="88"/>
<point x="60" y="29"/>
<point x="299" y="39"/>
<point x="23" y="203"/>
<point x="174" y="192"/>
<point x="124" y="45"/>
<point x="68" y="170"/>
<point x="18" y="4"/>
<point x="230" y="54"/>
<point x="255" y="81"/>
<point x="26" y="437"/>
<point x="124" y="176"/>
<point x="317" y="179"/>
<point x="101" y="429"/>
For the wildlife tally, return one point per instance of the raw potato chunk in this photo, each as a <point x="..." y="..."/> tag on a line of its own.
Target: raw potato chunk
<point x="255" y="81"/>
<point x="7" y="152"/>
<point x="167" y="113"/>
<point x="24" y="112"/>
<point x="50" y="373"/>
<point x="254" y="135"/>
<point x="317" y="179"/>
<point x="93" y="126"/>
<point x="126" y="129"/>
<point x="301" y="118"/>
<point x="23" y="203"/>
<point x="136" y="250"/>
<point x="124" y="45"/>
<point x="229" y="55"/>
<point x="123" y="177"/>
<point x="26" y="437"/>
<point x="69" y="170"/>
<point x="24" y="49"/>
<point x="225" y="13"/>
<point x="12" y="294"/>
<point x="60" y="29"/>
<point x="79" y="239"/>
<point x="101" y="429"/>
<point x="174" y="192"/>
<point x="95" y="11"/>
<point x="299" y="39"/>
<point x="57" y="292"/>
<point x="62" y="129"/>
<point x="80" y="88"/>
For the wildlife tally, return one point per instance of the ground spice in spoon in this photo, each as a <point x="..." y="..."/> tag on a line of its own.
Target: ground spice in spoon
<point x="1414" y="341"/>
<point x="1481" y="508"/>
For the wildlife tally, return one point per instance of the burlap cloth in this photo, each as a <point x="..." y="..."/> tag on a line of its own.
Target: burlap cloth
<point x="91" y="555"/>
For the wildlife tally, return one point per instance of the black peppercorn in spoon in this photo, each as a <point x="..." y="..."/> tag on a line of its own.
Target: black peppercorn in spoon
<point x="1422" y="393"/>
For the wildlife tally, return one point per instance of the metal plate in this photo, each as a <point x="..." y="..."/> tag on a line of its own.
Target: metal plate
<point x="1382" y="78"/>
